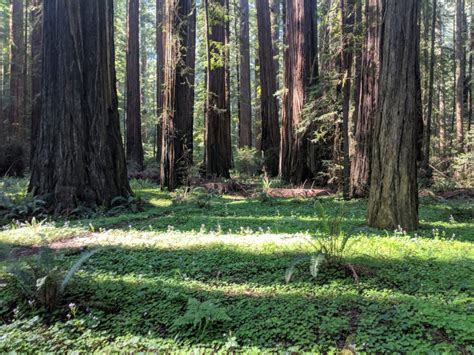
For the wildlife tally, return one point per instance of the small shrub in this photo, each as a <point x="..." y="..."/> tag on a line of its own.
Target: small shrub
<point x="24" y="210"/>
<point x="192" y="195"/>
<point x="248" y="161"/>
<point x="42" y="280"/>
<point x="331" y="245"/>
<point x="200" y="316"/>
<point x="121" y="204"/>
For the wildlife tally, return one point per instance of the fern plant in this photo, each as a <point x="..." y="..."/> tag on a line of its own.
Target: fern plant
<point x="331" y="245"/>
<point x="199" y="316"/>
<point x="42" y="280"/>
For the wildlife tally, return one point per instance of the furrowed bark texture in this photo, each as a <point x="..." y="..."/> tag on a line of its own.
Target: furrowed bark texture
<point x="245" y="98"/>
<point x="369" y="91"/>
<point x="393" y="200"/>
<point x="159" y="76"/>
<point x="79" y="157"/>
<point x="36" y="65"/>
<point x="17" y="132"/>
<point x="178" y="102"/>
<point x="459" y="74"/>
<point x="270" y="133"/>
<point x="134" y="130"/>
<point x="299" y="55"/>
<point x="218" y="153"/>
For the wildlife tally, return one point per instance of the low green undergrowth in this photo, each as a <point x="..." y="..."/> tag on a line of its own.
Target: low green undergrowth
<point x="179" y="278"/>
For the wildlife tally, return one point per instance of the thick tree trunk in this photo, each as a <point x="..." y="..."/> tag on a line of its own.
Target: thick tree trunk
<point x="268" y="101"/>
<point x="459" y="74"/>
<point x="347" y="25"/>
<point x="36" y="65"/>
<point x="178" y="97"/>
<point x="217" y="126"/>
<point x="17" y="129"/>
<point x="393" y="200"/>
<point x="245" y="98"/>
<point x="134" y="130"/>
<point x="425" y="169"/>
<point x="299" y="56"/>
<point x="360" y="170"/>
<point x="79" y="157"/>
<point x="160" y="50"/>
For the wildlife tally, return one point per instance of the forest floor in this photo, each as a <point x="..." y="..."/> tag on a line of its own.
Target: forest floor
<point x="210" y="277"/>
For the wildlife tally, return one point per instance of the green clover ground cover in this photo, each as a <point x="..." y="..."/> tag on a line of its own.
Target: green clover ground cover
<point x="182" y="278"/>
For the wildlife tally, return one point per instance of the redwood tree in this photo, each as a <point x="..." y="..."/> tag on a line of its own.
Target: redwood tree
<point x="347" y="25"/>
<point x="298" y="58"/>
<point x="177" y="123"/>
<point x="217" y="151"/>
<point x="17" y="68"/>
<point x="270" y="133"/>
<point x="79" y="157"/>
<point x="160" y="50"/>
<point x="426" y="170"/>
<point x="459" y="74"/>
<point x="245" y="99"/>
<point x="369" y="91"/>
<point x="134" y="131"/>
<point x="36" y="52"/>
<point x="393" y="199"/>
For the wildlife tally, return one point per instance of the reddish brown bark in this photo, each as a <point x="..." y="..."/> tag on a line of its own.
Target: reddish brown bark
<point x="36" y="64"/>
<point x="270" y="132"/>
<point x="245" y="98"/>
<point x="178" y="96"/>
<point x="393" y="200"/>
<point x="79" y="157"/>
<point x="134" y="130"/>
<point x="159" y="76"/>
<point x="299" y="56"/>
<point x="17" y="129"/>
<point x="360" y="172"/>
<point x="347" y="25"/>
<point x="218" y="154"/>
<point x="425" y="169"/>
<point x="459" y="72"/>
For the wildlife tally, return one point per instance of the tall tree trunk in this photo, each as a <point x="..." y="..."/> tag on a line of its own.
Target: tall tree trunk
<point x="442" y="114"/>
<point x="425" y="169"/>
<point x="369" y="93"/>
<point x="459" y="55"/>
<point x="471" y="53"/>
<point x="17" y="79"/>
<point x="143" y="58"/>
<point x="178" y="97"/>
<point x="218" y="154"/>
<point x="359" y="38"/>
<point x="79" y="157"/>
<point x="275" y="14"/>
<point x="268" y="101"/>
<point x="347" y="25"/>
<point x="160" y="50"/>
<point x="134" y="130"/>
<point x="393" y="199"/>
<point x="299" y="56"/>
<point x="245" y="97"/>
<point x="36" y="65"/>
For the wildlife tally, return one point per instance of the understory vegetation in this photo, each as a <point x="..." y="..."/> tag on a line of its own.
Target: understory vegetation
<point x="209" y="274"/>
